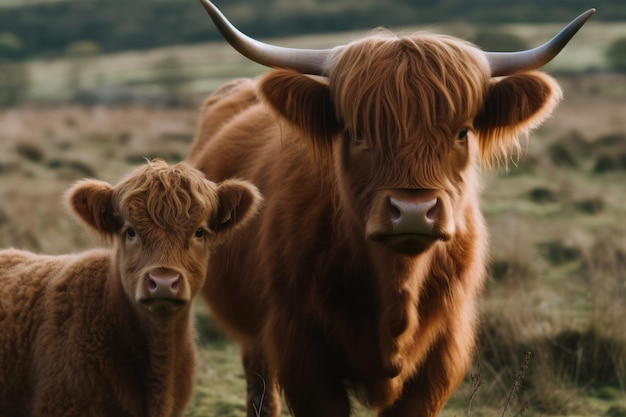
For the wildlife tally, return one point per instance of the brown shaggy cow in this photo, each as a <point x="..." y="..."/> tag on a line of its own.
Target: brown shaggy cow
<point x="362" y="272"/>
<point x="108" y="332"/>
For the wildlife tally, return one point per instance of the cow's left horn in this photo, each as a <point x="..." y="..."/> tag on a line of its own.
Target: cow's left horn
<point x="306" y="61"/>
<point x="507" y="63"/>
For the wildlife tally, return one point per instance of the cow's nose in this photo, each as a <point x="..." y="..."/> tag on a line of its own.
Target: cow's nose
<point x="163" y="283"/>
<point x="413" y="217"/>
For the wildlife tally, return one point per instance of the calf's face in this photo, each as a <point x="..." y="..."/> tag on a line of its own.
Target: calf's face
<point x="163" y="222"/>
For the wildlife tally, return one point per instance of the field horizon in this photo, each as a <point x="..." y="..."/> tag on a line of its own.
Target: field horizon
<point x="195" y="70"/>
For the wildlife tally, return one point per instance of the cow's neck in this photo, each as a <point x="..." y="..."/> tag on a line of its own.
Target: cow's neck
<point x="399" y="282"/>
<point x="393" y="283"/>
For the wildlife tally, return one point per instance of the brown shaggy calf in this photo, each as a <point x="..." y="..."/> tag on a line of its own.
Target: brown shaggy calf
<point x="108" y="332"/>
<point x="362" y="272"/>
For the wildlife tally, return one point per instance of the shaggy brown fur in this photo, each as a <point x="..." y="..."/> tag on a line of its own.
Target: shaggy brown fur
<point x="82" y="334"/>
<point x="322" y="294"/>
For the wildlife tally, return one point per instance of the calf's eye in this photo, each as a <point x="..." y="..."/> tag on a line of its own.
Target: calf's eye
<point x="131" y="233"/>
<point x="199" y="233"/>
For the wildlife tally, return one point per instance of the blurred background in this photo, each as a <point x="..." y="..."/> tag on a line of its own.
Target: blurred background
<point x="119" y="51"/>
<point x="89" y="88"/>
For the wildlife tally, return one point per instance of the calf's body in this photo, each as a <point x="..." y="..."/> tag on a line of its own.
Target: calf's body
<point x="108" y="332"/>
<point x="73" y="345"/>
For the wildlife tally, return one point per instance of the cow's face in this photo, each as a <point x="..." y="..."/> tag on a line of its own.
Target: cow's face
<point x="163" y="222"/>
<point x="407" y="120"/>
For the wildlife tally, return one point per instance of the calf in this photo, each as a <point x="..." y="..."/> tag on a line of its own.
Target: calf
<point x="108" y="332"/>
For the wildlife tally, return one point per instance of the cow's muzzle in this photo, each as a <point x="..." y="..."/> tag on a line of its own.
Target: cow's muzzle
<point x="410" y="221"/>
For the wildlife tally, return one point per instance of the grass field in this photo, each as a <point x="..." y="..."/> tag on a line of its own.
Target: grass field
<point x="558" y="271"/>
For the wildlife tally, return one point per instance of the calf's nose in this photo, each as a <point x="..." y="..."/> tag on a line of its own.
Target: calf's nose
<point x="163" y="284"/>
<point x="413" y="217"/>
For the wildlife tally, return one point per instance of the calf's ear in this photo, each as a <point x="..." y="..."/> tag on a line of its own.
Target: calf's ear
<point x="239" y="203"/>
<point x="513" y="105"/>
<point x="304" y="101"/>
<point x="91" y="202"/>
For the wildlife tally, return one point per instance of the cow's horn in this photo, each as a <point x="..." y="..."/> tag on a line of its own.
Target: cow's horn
<point x="306" y="61"/>
<point x="314" y="61"/>
<point x="507" y="63"/>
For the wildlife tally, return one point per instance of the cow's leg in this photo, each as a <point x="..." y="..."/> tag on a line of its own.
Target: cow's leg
<point x="263" y="396"/>
<point x="439" y="375"/>
<point x="311" y="389"/>
<point x="309" y="377"/>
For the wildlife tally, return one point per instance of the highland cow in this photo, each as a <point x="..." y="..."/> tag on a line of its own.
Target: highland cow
<point x="361" y="274"/>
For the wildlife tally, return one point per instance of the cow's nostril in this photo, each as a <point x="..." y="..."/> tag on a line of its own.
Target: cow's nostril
<point x="434" y="213"/>
<point x="176" y="283"/>
<point x="394" y="212"/>
<point x="152" y="285"/>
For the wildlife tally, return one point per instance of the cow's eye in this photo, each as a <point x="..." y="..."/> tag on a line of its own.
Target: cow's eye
<point x="131" y="233"/>
<point x="358" y="139"/>
<point x="463" y="134"/>
<point x="199" y="233"/>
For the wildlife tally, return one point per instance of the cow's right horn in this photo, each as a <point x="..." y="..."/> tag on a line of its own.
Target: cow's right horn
<point x="306" y="61"/>
<point x="507" y="63"/>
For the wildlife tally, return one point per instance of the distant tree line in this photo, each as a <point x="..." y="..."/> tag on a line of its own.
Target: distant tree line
<point x="77" y="29"/>
<point x="52" y="29"/>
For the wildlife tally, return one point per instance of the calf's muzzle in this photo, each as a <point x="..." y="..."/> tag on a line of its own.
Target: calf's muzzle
<point x="163" y="285"/>
<point x="162" y="290"/>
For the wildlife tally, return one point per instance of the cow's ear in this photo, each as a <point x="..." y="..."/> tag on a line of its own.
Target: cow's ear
<point x="239" y="203"/>
<point x="91" y="202"/>
<point x="302" y="100"/>
<point x="513" y="105"/>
